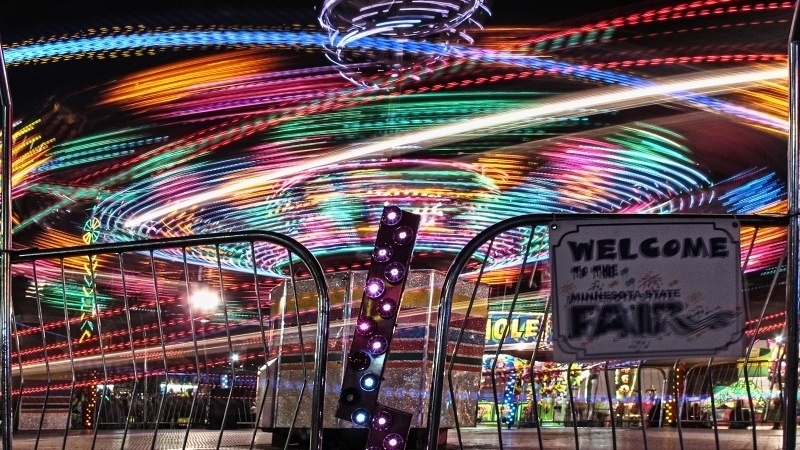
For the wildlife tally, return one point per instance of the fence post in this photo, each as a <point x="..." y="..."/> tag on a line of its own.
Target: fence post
<point x="5" y="256"/>
<point x="792" y="281"/>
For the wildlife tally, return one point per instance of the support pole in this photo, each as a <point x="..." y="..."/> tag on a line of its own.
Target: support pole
<point x="793" y="260"/>
<point x="5" y="256"/>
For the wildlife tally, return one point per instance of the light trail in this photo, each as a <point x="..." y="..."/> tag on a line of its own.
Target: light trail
<point x="557" y="107"/>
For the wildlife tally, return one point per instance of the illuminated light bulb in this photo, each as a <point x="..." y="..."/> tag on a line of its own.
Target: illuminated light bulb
<point x="369" y="382"/>
<point x="378" y="345"/>
<point x="360" y="416"/>
<point x="374" y="288"/>
<point x="403" y="235"/>
<point x="387" y="308"/>
<point x="382" y="421"/>
<point x="366" y="326"/>
<point x="392" y="215"/>
<point x="394" y="272"/>
<point x="359" y="361"/>
<point x="204" y="298"/>
<point x="382" y="254"/>
<point x="393" y="440"/>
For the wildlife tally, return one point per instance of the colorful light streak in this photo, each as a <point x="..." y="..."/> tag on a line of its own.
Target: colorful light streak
<point x="225" y="148"/>
<point x="663" y="14"/>
<point x="253" y="37"/>
<point x="616" y="97"/>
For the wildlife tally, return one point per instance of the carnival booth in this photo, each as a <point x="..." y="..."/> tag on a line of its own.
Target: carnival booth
<point x="595" y="389"/>
<point x="501" y="390"/>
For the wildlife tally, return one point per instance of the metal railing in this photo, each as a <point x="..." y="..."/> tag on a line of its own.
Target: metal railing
<point x="155" y="335"/>
<point x="676" y="401"/>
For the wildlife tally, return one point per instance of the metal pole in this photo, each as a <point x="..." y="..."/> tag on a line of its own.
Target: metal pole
<point x="792" y="281"/>
<point x="5" y="256"/>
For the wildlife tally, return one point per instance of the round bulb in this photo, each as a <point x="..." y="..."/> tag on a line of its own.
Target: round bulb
<point x="392" y="440"/>
<point x="366" y="326"/>
<point x="382" y="253"/>
<point x="360" y="416"/>
<point x="403" y="235"/>
<point x="382" y="421"/>
<point x="359" y="361"/>
<point x="391" y="215"/>
<point x="387" y="308"/>
<point x="394" y="272"/>
<point x="374" y="288"/>
<point x="350" y="396"/>
<point x="378" y="345"/>
<point x="369" y="382"/>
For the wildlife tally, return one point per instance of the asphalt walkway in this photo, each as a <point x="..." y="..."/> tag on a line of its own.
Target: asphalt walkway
<point x="473" y="438"/>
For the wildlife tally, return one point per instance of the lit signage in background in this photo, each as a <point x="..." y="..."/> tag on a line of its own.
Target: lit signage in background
<point x="524" y="328"/>
<point x="389" y="267"/>
<point x="91" y="231"/>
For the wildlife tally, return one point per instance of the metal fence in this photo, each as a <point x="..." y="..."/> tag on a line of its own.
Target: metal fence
<point x="157" y="340"/>
<point x="699" y="400"/>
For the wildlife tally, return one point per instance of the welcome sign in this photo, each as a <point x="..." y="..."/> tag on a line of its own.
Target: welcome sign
<point x="646" y="289"/>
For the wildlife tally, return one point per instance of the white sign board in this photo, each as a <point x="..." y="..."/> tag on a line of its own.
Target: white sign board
<point x="646" y="289"/>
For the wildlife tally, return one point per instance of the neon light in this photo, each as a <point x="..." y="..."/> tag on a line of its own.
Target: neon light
<point x="91" y="232"/>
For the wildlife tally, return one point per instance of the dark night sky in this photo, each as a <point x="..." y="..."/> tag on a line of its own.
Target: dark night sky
<point x="19" y="20"/>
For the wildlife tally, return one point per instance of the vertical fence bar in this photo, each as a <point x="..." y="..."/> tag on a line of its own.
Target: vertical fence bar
<point x="642" y="420"/>
<point x="160" y="323"/>
<point x="21" y="383"/>
<point x="792" y="279"/>
<point x="458" y="344"/>
<point x="264" y="347"/>
<point x="98" y="413"/>
<point x="320" y="354"/>
<point x="133" y="350"/>
<point x="680" y="399"/>
<point x="44" y="354"/>
<point x="535" y="402"/>
<point x="5" y="256"/>
<point x="611" y="412"/>
<point x="505" y="334"/>
<point x="573" y="413"/>
<point x="710" y="378"/>
<point x="224" y="302"/>
<point x="301" y="343"/>
<point x="70" y="350"/>
<point x="189" y="308"/>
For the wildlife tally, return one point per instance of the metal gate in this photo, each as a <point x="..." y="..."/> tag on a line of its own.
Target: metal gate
<point x="157" y="343"/>
<point x="618" y="404"/>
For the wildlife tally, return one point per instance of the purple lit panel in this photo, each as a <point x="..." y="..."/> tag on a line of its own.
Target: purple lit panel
<point x="392" y="432"/>
<point x="375" y="323"/>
